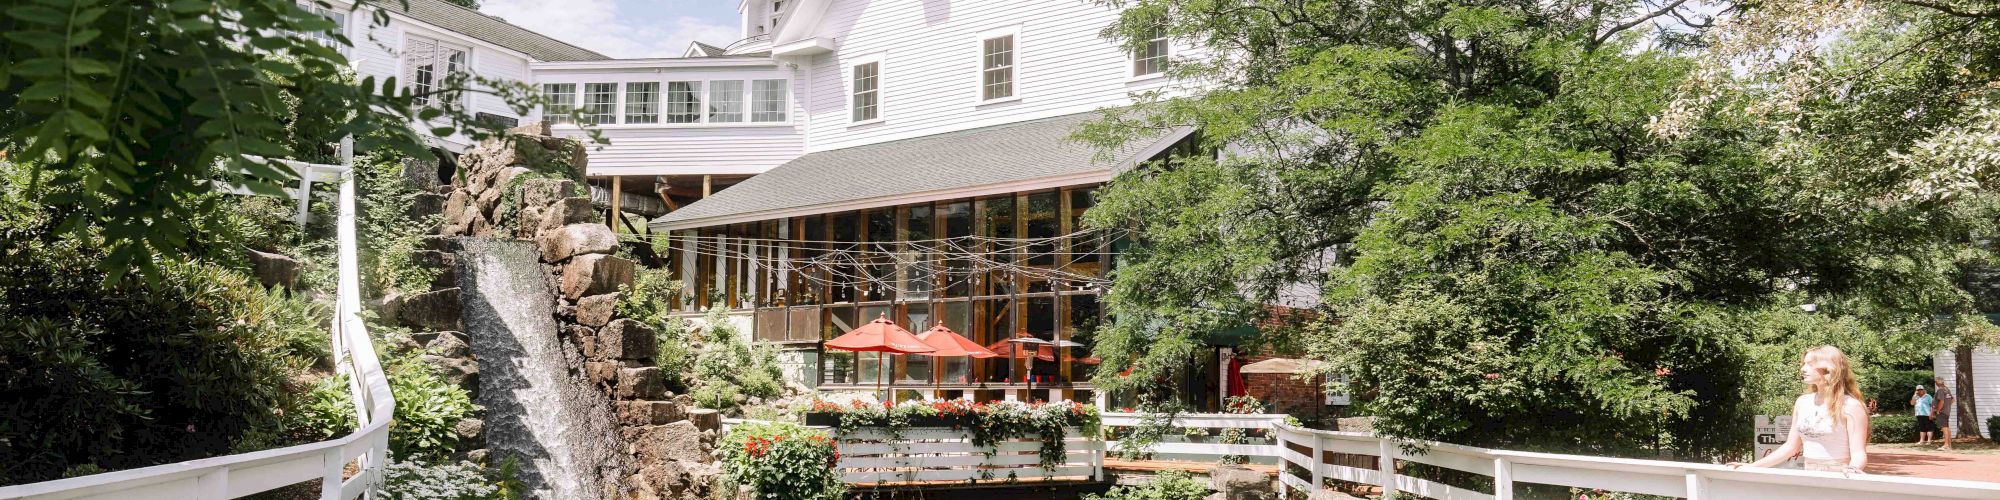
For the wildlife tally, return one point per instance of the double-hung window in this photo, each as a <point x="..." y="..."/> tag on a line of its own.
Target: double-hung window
<point x="867" y="78"/>
<point x="562" y="100"/>
<point x="683" y="102"/>
<point x="642" y="102"/>
<point x="725" y="101"/>
<point x="1152" y="58"/>
<point x="600" y="103"/>
<point x="339" y="19"/>
<point x="767" y="101"/>
<point x="997" y="68"/>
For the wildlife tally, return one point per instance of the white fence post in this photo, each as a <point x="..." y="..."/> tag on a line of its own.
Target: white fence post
<point x="212" y="486"/>
<point x="1317" y="464"/>
<point x="1388" y="465"/>
<point x="1503" y="479"/>
<point x="329" y="483"/>
<point x="1697" y="486"/>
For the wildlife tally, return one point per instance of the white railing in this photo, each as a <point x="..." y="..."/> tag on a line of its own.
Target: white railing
<point x="244" y="474"/>
<point x="1314" y="452"/>
<point x="873" y="456"/>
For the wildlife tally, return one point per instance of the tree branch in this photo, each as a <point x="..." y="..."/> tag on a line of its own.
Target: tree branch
<point x="1952" y="11"/>
<point x="1621" y="27"/>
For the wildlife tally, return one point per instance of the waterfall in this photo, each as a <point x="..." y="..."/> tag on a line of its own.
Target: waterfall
<point x="538" y="410"/>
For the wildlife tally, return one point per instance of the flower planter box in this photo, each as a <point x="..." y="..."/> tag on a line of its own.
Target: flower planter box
<point x="828" y="419"/>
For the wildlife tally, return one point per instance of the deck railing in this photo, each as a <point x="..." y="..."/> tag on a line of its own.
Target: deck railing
<point x="244" y="474"/>
<point x="1332" y="455"/>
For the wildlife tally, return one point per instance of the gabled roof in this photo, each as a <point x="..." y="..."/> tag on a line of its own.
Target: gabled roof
<point x="704" y="50"/>
<point x="999" y="158"/>
<point x="491" y="29"/>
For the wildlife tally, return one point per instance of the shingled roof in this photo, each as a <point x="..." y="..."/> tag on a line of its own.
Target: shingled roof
<point x="491" y="30"/>
<point x="998" y="155"/>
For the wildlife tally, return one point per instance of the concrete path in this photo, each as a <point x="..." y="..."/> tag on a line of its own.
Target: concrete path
<point x="1935" y="465"/>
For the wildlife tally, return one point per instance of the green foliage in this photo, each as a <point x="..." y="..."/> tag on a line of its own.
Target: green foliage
<point x="1167" y="485"/>
<point x="411" y="480"/>
<point x="428" y="410"/>
<point x="1892" y="429"/>
<point x="386" y="230"/>
<point x="1993" y="426"/>
<point x="989" y="424"/>
<point x="1241" y="405"/>
<point x="325" y="413"/>
<point x="650" y="296"/>
<point x="141" y="104"/>
<point x="1891" y="388"/>
<point x="200" y="361"/>
<point x="783" y="462"/>
<point x="729" y="370"/>
<point x="1497" y="233"/>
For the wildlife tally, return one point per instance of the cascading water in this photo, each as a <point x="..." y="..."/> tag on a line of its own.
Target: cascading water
<point x="558" y="426"/>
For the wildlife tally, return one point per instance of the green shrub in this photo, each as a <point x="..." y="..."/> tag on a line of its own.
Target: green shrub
<point x="121" y="373"/>
<point x="727" y="368"/>
<point x="1893" y="429"/>
<point x="783" y="462"/>
<point x="428" y="410"/>
<point x="410" y="480"/>
<point x="1168" y="485"/>
<point x="325" y="413"/>
<point x="1993" y="427"/>
<point x="1891" y="389"/>
<point x="388" y="234"/>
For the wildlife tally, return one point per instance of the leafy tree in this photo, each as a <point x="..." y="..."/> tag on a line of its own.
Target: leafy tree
<point x="1507" y="249"/>
<point x="145" y="104"/>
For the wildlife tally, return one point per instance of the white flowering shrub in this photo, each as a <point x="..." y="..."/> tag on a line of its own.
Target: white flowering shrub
<point x="417" y="480"/>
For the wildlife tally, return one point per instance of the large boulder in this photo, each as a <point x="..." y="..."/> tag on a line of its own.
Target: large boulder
<point x="627" y="339"/>
<point x="592" y="274"/>
<point x="658" y="444"/>
<point x="596" y="310"/>
<point x="566" y="211"/>
<point x="449" y="344"/>
<point x="275" y="270"/>
<point x="649" y="412"/>
<point x="443" y="262"/>
<point x="704" y="418"/>
<point x="574" y="239"/>
<point x="641" y="383"/>
<point x="434" y="310"/>
<point x="461" y="372"/>
<point x="1233" y="482"/>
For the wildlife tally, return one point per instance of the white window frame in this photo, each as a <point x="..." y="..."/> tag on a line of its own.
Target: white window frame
<point x="1166" y="54"/>
<point x="742" y="101"/>
<point x="784" y="100"/>
<point x="590" y="113"/>
<point x="703" y="90"/>
<point x="441" y="52"/>
<point x="336" y="14"/>
<point x="1013" y="67"/>
<point x="658" y="103"/>
<point x="559" y="116"/>
<point x="880" y="83"/>
<point x="668" y="113"/>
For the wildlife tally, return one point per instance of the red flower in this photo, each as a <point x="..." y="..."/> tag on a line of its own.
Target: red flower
<point x="1492" y="376"/>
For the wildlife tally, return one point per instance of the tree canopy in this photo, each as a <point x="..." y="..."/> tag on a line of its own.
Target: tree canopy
<point x="146" y="104"/>
<point x="1523" y="212"/>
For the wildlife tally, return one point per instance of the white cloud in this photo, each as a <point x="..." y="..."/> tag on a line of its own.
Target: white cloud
<point x="600" y="25"/>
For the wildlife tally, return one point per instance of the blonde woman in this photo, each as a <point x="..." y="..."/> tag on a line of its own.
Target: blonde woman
<point x="1829" y="422"/>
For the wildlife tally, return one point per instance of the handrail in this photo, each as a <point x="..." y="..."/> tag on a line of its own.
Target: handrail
<point x="239" y="475"/>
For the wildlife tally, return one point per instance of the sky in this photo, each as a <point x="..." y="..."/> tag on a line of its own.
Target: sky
<point x="624" y="28"/>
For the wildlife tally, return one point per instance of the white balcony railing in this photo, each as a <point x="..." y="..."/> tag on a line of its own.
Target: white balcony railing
<point x="244" y="474"/>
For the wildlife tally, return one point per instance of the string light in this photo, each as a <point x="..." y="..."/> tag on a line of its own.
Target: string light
<point x="959" y="260"/>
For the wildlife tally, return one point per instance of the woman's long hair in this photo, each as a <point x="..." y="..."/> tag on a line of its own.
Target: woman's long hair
<point x="1840" y="383"/>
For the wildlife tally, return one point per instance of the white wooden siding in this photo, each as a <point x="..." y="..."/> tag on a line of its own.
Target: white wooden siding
<point x="1985" y="380"/>
<point x="931" y="66"/>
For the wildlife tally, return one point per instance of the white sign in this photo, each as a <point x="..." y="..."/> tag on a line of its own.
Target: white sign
<point x="1771" y="434"/>
<point x="1335" y="395"/>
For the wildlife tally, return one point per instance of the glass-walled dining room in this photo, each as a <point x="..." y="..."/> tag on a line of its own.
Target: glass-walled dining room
<point x="990" y="268"/>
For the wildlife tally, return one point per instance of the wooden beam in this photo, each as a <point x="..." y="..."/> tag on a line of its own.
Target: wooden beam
<point x="671" y="206"/>
<point x="617" y="189"/>
<point x="707" y="185"/>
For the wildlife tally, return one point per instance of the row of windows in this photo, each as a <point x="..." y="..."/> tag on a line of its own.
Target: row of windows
<point x="684" y="102"/>
<point x="996" y="73"/>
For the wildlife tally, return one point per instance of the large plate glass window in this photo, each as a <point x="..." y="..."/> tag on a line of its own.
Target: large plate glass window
<point x="725" y="101"/>
<point x="642" y="102"/>
<point x="997" y="68"/>
<point x="866" y="102"/>
<point x="600" y="103"/>
<point x="562" y="100"/>
<point x="768" y="100"/>
<point x="683" y="102"/>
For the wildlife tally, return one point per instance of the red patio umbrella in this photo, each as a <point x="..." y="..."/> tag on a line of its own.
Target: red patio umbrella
<point x="880" y="336"/>
<point x="950" y="344"/>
